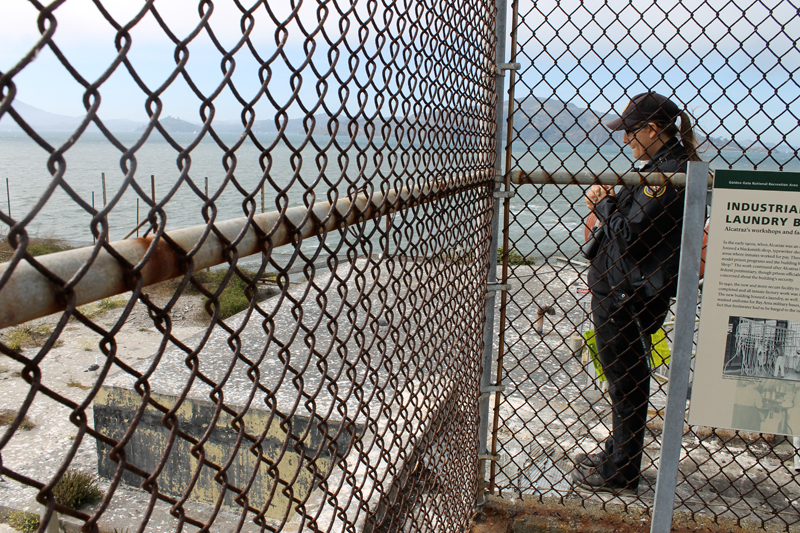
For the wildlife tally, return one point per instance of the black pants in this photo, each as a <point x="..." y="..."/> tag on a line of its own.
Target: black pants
<point x="623" y="357"/>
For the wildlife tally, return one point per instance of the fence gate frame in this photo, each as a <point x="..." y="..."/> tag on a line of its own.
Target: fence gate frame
<point x="501" y="188"/>
<point x="697" y="182"/>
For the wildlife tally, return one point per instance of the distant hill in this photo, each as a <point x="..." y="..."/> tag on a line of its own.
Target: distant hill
<point x="535" y="120"/>
<point x="550" y="120"/>
<point x="554" y="121"/>
<point x="45" y="121"/>
<point x="175" y="125"/>
<point x="723" y="143"/>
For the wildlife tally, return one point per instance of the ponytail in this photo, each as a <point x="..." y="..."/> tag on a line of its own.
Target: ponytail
<point x="688" y="140"/>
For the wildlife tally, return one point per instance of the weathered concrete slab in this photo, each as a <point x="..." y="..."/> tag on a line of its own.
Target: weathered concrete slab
<point x="182" y="472"/>
<point x="334" y="397"/>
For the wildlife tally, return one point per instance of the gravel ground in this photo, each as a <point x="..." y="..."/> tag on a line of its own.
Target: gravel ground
<point x="40" y="451"/>
<point x="721" y="470"/>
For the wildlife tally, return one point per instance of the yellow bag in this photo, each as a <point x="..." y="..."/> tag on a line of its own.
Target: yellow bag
<point x="659" y="354"/>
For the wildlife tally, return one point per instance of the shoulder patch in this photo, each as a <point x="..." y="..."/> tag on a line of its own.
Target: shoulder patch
<point x="654" y="191"/>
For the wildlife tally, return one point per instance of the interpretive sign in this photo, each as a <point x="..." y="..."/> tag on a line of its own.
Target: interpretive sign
<point x="747" y="368"/>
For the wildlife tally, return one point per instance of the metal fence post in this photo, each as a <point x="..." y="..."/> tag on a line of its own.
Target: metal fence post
<point x="694" y="215"/>
<point x="52" y="525"/>
<point x="488" y="326"/>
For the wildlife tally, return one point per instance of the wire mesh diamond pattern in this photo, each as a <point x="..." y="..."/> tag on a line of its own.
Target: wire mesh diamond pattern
<point x="580" y="64"/>
<point x="272" y="318"/>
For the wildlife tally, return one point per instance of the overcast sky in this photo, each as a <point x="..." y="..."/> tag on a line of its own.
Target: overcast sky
<point x="714" y="57"/>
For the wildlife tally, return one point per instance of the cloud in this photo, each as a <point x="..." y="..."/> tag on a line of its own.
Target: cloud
<point x="734" y="61"/>
<point x="81" y="22"/>
<point x="280" y="34"/>
<point x="331" y="51"/>
<point x="717" y="56"/>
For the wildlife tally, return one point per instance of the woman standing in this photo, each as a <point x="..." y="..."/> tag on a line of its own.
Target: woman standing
<point x="632" y="277"/>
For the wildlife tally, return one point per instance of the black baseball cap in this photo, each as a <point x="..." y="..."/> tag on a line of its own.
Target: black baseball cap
<point x="646" y="107"/>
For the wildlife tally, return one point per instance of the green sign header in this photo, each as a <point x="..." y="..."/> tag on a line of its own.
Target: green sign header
<point x="757" y="179"/>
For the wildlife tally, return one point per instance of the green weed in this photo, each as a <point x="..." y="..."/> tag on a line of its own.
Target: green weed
<point x="107" y="304"/>
<point x="36" y="246"/>
<point x="45" y="246"/>
<point x="23" y="521"/>
<point x="232" y="300"/>
<point x="95" y="309"/>
<point x="75" y="489"/>
<point x="210" y="279"/>
<point x="457" y="256"/>
<point x="16" y="338"/>
<point x="514" y="257"/>
<point x="27" y="335"/>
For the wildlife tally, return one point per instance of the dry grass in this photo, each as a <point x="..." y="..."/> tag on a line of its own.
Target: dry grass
<point x="7" y="416"/>
<point x="503" y="515"/>
<point x="36" y="246"/>
<point x="27" y="335"/>
<point x="87" y="345"/>
<point x="77" y="384"/>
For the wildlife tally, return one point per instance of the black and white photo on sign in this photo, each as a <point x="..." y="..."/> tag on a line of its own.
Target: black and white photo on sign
<point x="762" y="348"/>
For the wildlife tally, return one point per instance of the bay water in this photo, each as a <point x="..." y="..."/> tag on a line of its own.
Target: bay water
<point x="546" y="220"/>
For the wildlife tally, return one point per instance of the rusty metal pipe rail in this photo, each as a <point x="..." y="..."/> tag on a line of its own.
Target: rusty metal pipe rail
<point x="609" y="177"/>
<point x="28" y="294"/>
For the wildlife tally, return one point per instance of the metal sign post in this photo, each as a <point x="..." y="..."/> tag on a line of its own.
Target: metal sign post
<point x="694" y="216"/>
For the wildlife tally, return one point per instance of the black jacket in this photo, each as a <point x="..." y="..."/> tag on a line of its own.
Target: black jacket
<point x="640" y="237"/>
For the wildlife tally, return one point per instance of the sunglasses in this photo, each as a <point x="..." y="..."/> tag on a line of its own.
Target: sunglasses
<point x="634" y="129"/>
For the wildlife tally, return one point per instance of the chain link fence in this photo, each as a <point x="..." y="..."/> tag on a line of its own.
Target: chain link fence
<point x="279" y="324"/>
<point x="733" y="67"/>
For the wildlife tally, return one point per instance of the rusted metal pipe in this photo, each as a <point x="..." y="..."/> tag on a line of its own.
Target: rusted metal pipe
<point x="543" y="310"/>
<point x="28" y="294"/>
<point x="609" y="177"/>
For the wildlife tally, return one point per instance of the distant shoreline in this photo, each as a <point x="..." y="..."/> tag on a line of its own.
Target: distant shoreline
<point x="545" y="121"/>
<point x="518" y="146"/>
